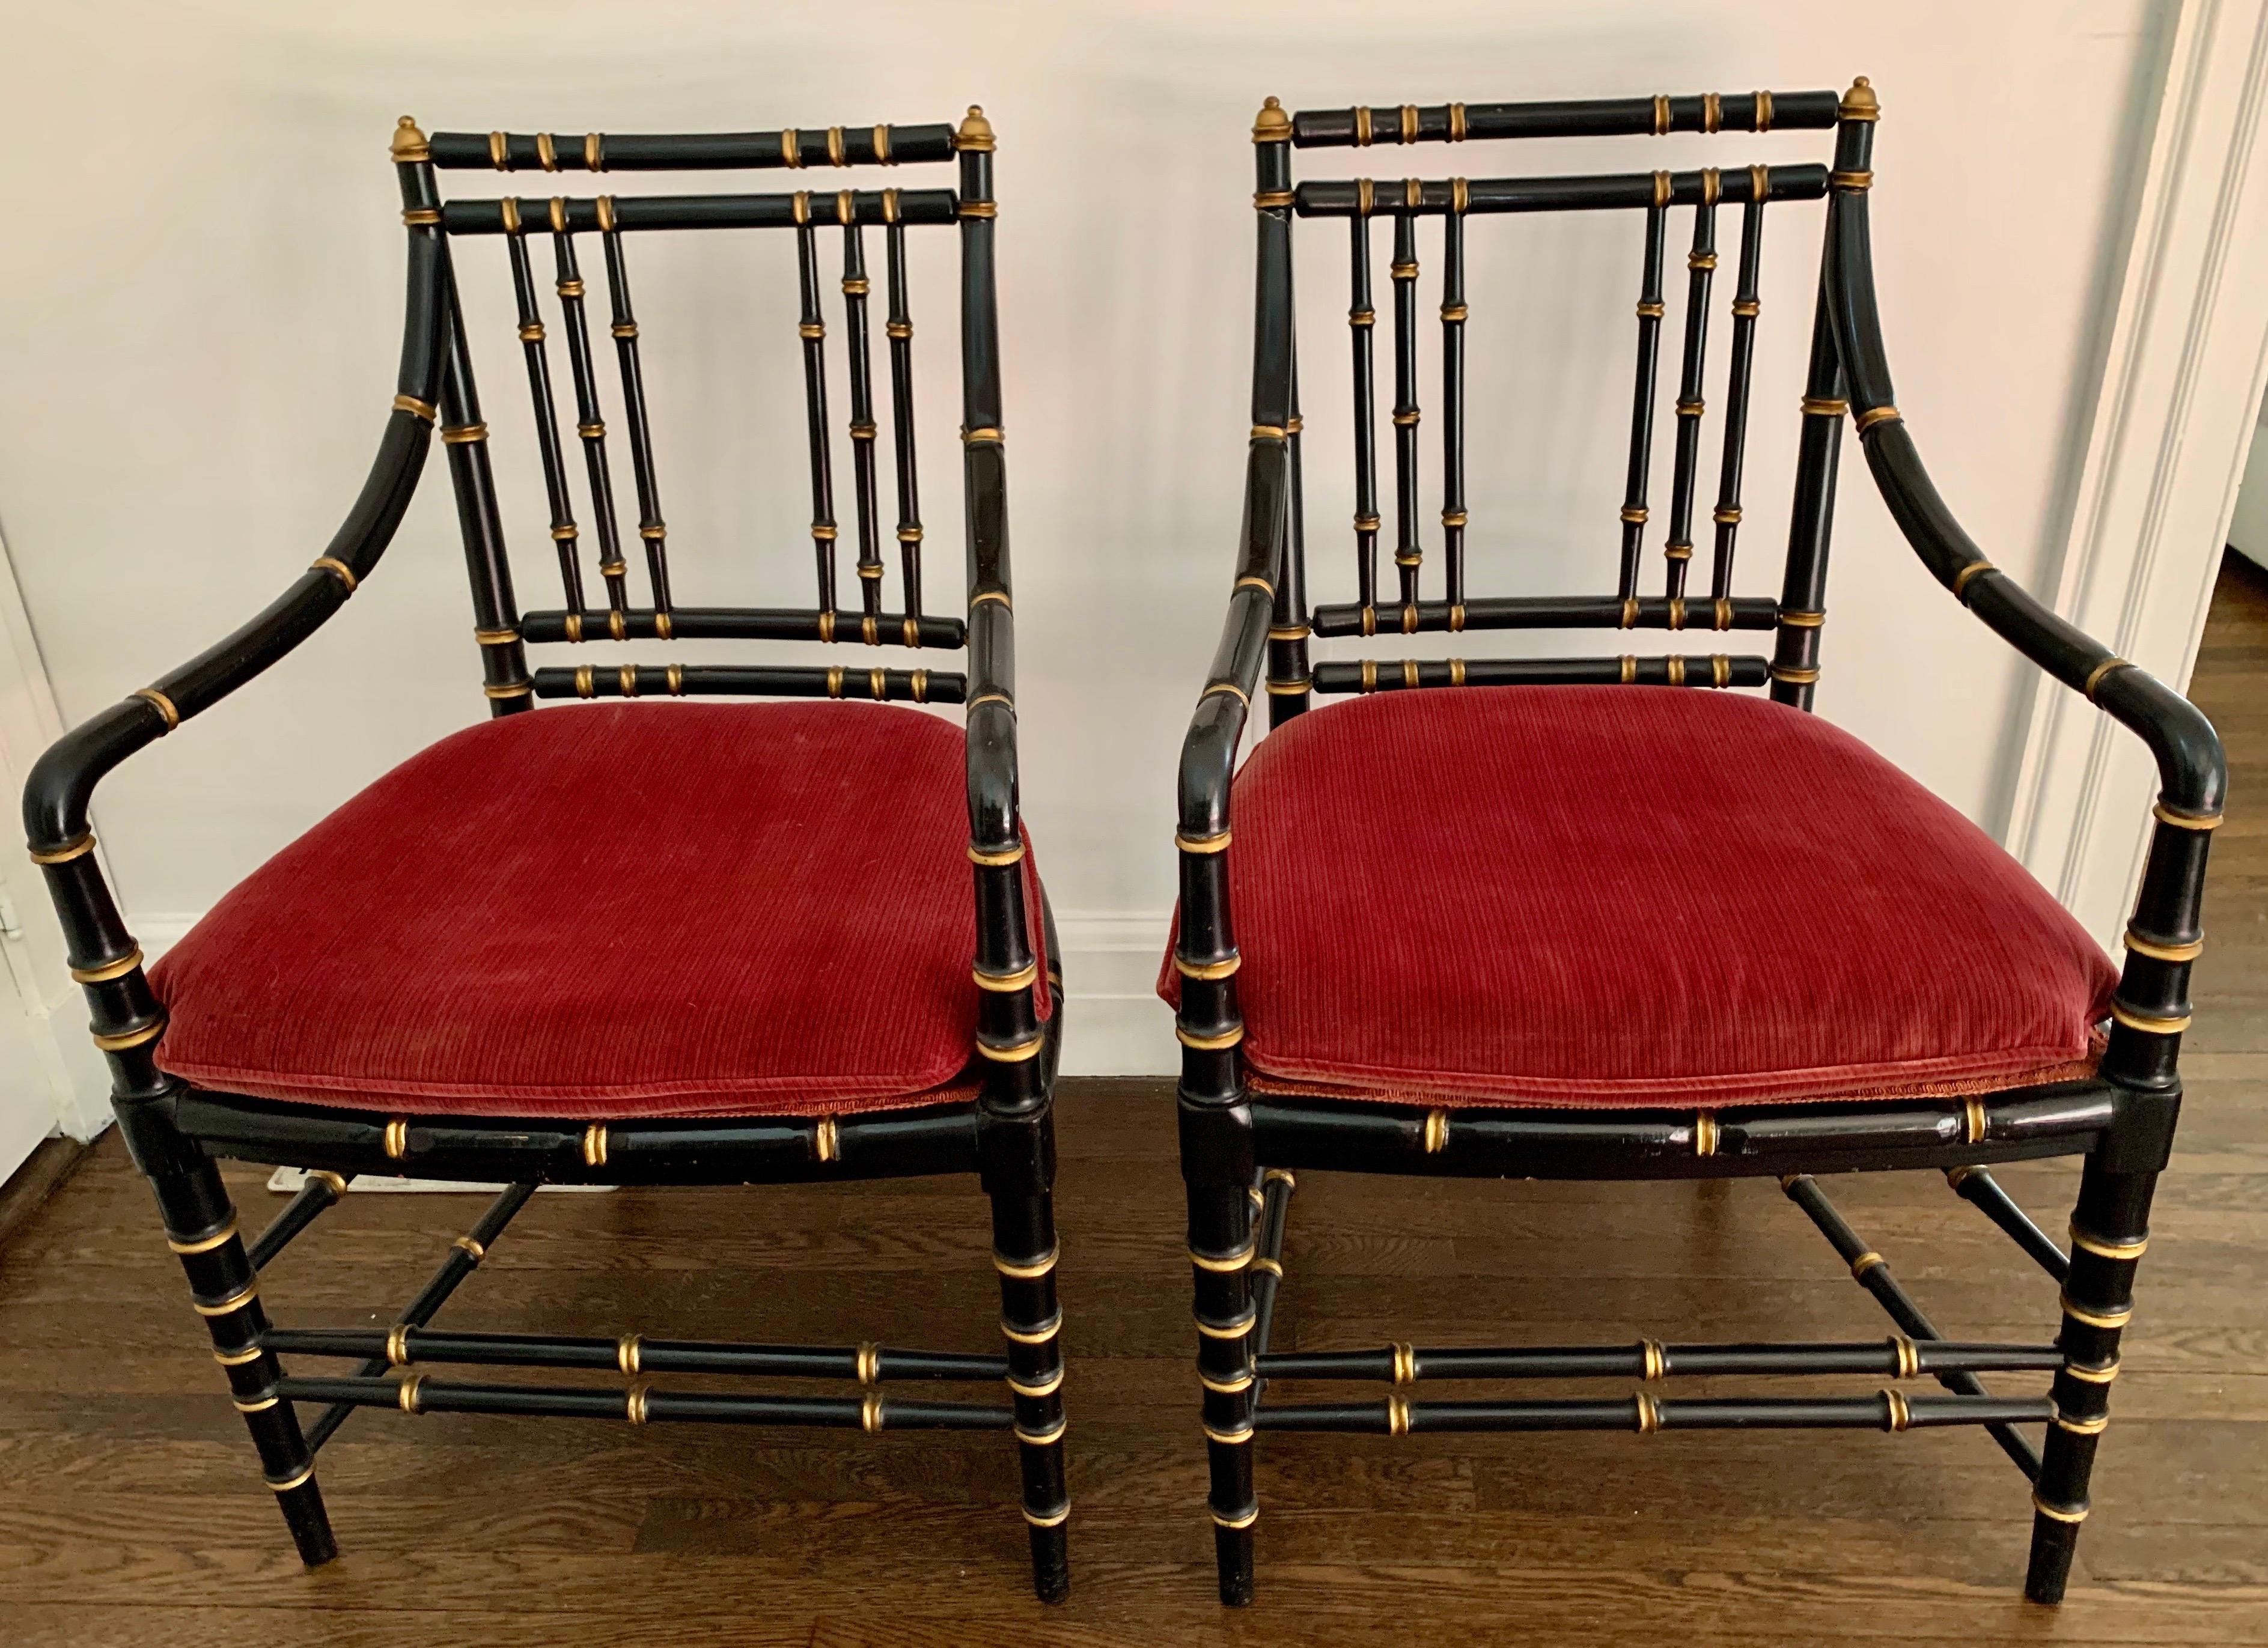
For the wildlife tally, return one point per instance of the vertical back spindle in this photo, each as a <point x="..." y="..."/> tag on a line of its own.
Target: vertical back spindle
<point x="1407" y="556"/>
<point x="1362" y="320"/>
<point x="1649" y="337"/>
<point x="651" y="530"/>
<point x="812" y="329"/>
<point x="900" y="328"/>
<point x="495" y="612"/>
<point x="855" y="290"/>
<point x="547" y="417"/>
<point x="1745" y="307"/>
<point x="591" y="422"/>
<point x="1701" y="268"/>
<point x="1452" y="401"/>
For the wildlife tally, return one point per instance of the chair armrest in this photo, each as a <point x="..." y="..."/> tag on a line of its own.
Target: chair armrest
<point x="2150" y="1009"/>
<point x="61" y="788"/>
<point x="2192" y="770"/>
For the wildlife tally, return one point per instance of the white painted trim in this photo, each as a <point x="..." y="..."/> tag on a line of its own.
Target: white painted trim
<point x="51" y="1078"/>
<point x="2167" y="447"/>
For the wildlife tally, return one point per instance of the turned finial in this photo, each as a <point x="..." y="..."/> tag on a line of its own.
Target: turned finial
<point x="409" y="143"/>
<point x="1271" y="124"/>
<point x="976" y="132"/>
<point x="1860" y="102"/>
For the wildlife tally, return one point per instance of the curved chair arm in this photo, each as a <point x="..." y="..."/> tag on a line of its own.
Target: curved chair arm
<point x="2151" y="1007"/>
<point x="62" y="784"/>
<point x="127" y="1020"/>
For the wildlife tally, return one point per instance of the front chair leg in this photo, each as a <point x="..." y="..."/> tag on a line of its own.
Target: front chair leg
<point x="2108" y="1234"/>
<point x="1216" y="1171"/>
<point x="201" y="1229"/>
<point x="1024" y="1250"/>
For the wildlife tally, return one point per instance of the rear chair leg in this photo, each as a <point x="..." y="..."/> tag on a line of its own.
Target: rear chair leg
<point x="1215" y="1150"/>
<point x="201" y="1229"/>
<point x="2107" y="1235"/>
<point x="1024" y="1250"/>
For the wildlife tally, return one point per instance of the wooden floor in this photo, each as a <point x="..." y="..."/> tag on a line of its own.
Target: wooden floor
<point x="133" y="1512"/>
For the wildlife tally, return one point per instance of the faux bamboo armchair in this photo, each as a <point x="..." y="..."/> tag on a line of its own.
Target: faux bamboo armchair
<point x="1599" y="917"/>
<point x="480" y="969"/>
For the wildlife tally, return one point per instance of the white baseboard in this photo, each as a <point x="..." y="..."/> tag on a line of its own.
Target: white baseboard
<point x="1114" y="1026"/>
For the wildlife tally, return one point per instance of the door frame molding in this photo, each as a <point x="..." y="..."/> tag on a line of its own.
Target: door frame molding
<point x="2167" y="443"/>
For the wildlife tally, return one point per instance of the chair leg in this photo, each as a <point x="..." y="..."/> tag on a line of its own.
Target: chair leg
<point x="201" y="1229"/>
<point x="2109" y="1233"/>
<point x="1218" y="1177"/>
<point x="1024" y="1251"/>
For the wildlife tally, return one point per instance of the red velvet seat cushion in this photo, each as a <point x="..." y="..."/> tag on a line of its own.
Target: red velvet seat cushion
<point x="1630" y="895"/>
<point x="612" y="910"/>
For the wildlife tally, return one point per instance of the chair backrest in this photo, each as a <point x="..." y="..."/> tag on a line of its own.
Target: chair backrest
<point x="1675" y="603"/>
<point x="640" y="604"/>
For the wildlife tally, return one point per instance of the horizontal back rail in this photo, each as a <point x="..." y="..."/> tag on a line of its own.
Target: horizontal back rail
<point x="1598" y="117"/>
<point x="692" y="151"/>
<point x="1614" y="191"/>
<point x="631" y="213"/>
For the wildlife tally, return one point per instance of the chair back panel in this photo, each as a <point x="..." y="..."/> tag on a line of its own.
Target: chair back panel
<point x="585" y="513"/>
<point x="1675" y="602"/>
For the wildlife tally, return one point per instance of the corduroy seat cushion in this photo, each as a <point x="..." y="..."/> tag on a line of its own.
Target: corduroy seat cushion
<point x="1630" y="896"/>
<point x="611" y="910"/>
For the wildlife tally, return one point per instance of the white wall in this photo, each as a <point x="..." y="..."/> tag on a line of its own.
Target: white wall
<point x="199" y="304"/>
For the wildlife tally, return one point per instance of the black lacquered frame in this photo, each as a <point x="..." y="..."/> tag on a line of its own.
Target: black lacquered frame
<point x="1242" y="1148"/>
<point x="1005" y="1136"/>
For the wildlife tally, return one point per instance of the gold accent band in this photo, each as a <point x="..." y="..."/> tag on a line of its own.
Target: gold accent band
<point x="1236" y="1329"/>
<point x="2105" y="1249"/>
<point x="1973" y="1119"/>
<point x="1229" y="1438"/>
<point x="1027" y="1270"/>
<point x="2158" y="811"/>
<point x="1241" y="1383"/>
<point x="2095" y="1319"/>
<point x="1034" y="1438"/>
<point x="870" y="1412"/>
<point x="203" y="1244"/>
<point x="337" y="1181"/>
<point x="1649" y="1414"/>
<point x="239" y="1358"/>
<point x="305" y="1476"/>
<point x="337" y="569"/>
<point x="2094" y="676"/>
<point x="637" y="1403"/>
<point x="1909" y="1356"/>
<point x="411" y="403"/>
<point x="79" y="848"/>
<point x="1216" y="1043"/>
<point x="471" y="1247"/>
<point x="1243" y="1520"/>
<point x="1871" y="416"/>
<point x="1897" y="1415"/>
<point x="464" y="434"/>
<point x="1047" y="1518"/>
<point x="1818" y="406"/>
<point x="1006" y="983"/>
<point x="2102" y="1375"/>
<point x="2059" y="1513"/>
<point x="121" y="1041"/>
<point x="1973" y="571"/>
<point x="995" y="859"/>
<point x="1704" y="1133"/>
<point x="1046" y="1387"/>
<point x="230" y="1304"/>
<point x="1653" y="1359"/>
<point x="109" y="971"/>
<point x="1202" y="843"/>
<point x="1228" y="1265"/>
<point x="2147" y="1024"/>
<point x="1015" y="1054"/>
<point x="626" y="1354"/>
<point x="1405" y="1362"/>
<point x="868" y="1362"/>
<point x="1865" y="1263"/>
<point x="397" y="1345"/>
<point x="827" y="1139"/>
<point x="261" y="1406"/>
<point x="1207" y="971"/>
<point x="1040" y="1335"/>
<point x="1397" y="1415"/>
<point x="164" y="705"/>
<point x="2140" y="945"/>
<point x="594" y="1144"/>
<point x="1437" y="1132"/>
<point x="406" y="1394"/>
<point x="395" y="1139"/>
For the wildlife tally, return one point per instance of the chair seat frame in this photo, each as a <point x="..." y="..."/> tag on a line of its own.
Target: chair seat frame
<point x="1241" y="1150"/>
<point x="1004" y="1136"/>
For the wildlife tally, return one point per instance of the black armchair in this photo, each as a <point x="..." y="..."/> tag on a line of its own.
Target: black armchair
<point x="1597" y="918"/>
<point x="758" y="962"/>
